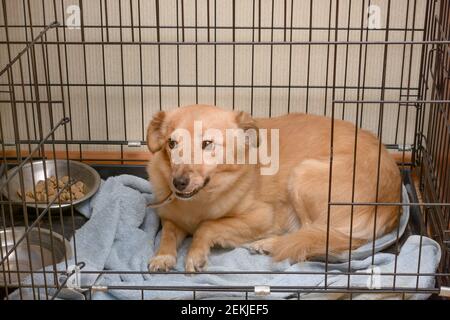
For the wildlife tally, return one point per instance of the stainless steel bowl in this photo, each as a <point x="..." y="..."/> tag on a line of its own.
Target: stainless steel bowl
<point x="78" y="171"/>
<point x="41" y="244"/>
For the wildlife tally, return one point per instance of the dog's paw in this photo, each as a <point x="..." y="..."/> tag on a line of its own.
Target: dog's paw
<point x="293" y="254"/>
<point x="195" y="261"/>
<point x="163" y="262"/>
<point x="263" y="246"/>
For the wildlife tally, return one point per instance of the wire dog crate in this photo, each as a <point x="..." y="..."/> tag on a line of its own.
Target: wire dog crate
<point x="80" y="81"/>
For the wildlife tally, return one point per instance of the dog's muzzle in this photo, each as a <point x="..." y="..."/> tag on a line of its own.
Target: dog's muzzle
<point x="172" y="196"/>
<point x="188" y="195"/>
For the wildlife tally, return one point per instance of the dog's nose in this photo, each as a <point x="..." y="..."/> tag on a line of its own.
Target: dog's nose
<point x="181" y="183"/>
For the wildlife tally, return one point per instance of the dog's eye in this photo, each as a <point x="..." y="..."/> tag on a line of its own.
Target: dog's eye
<point x="172" y="143"/>
<point x="207" y="144"/>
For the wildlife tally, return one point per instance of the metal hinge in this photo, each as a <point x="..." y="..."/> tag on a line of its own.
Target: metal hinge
<point x="262" y="290"/>
<point x="445" y="292"/>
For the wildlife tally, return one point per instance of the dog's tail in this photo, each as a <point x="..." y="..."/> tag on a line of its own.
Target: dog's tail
<point x="312" y="241"/>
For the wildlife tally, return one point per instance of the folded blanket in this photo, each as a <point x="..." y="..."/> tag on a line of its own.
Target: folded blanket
<point x="122" y="234"/>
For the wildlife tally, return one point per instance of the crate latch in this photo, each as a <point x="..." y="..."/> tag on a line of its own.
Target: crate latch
<point x="74" y="277"/>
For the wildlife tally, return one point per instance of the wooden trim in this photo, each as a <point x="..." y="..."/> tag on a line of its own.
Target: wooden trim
<point x="99" y="157"/>
<point x="136" y="157"/>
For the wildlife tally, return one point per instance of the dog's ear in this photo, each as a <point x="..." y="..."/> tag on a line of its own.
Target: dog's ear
<point x="248" y="124"/>
<point x="155" y="134"/>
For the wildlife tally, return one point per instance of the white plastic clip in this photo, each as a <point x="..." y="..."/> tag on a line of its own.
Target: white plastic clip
<point x="445" y="292"/>
<point x="404" y="147"/>
<point x="262" y="290"/>
<point x="99" y="288"/>
<point x="74" y="280"/>
<point x="134" y="144"/>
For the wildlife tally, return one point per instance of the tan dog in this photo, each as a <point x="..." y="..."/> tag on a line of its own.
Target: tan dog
<point x="286" y="214"/>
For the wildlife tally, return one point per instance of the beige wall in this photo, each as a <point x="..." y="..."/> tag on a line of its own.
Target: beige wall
<point x="205" y="63"/>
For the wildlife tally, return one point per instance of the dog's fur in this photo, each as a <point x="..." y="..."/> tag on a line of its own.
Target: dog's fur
<point x="287" y="214"/>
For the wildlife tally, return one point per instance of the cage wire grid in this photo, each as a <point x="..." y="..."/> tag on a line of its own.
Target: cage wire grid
<point x="82" y="91"/>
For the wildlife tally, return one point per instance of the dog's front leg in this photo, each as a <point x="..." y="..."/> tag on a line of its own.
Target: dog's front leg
<point x="171" y="238"/>
<point x="226" y="232"/>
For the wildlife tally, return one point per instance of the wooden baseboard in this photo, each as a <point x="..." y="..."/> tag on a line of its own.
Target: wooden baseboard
<point x="92" y="157"/>
<point x="136" y="157"/>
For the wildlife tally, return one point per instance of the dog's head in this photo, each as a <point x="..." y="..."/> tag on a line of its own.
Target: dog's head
<point x="201" y="147"/>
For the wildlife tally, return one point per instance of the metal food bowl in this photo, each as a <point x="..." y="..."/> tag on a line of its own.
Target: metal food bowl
<point x="41" y="243"/>
<point x="78" y="172"/>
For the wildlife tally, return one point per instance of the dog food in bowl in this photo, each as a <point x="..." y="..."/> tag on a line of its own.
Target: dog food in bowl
<point x="35" y="171"/>
<point x="47" y="190"/>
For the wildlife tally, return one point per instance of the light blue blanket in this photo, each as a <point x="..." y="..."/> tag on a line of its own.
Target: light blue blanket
<point x="122" y="234"/>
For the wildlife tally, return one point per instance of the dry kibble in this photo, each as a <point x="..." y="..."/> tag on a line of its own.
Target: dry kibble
<point x="74" y="188"/>
<point x="78" y="195"/>
<point x="80" y="186"/>
<point x="52" y="182"/>
<point x="49" y="189"/>
<point x="66" y="195"/>
<point x="40" y="186"/>
<point x="41" y="196"/>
